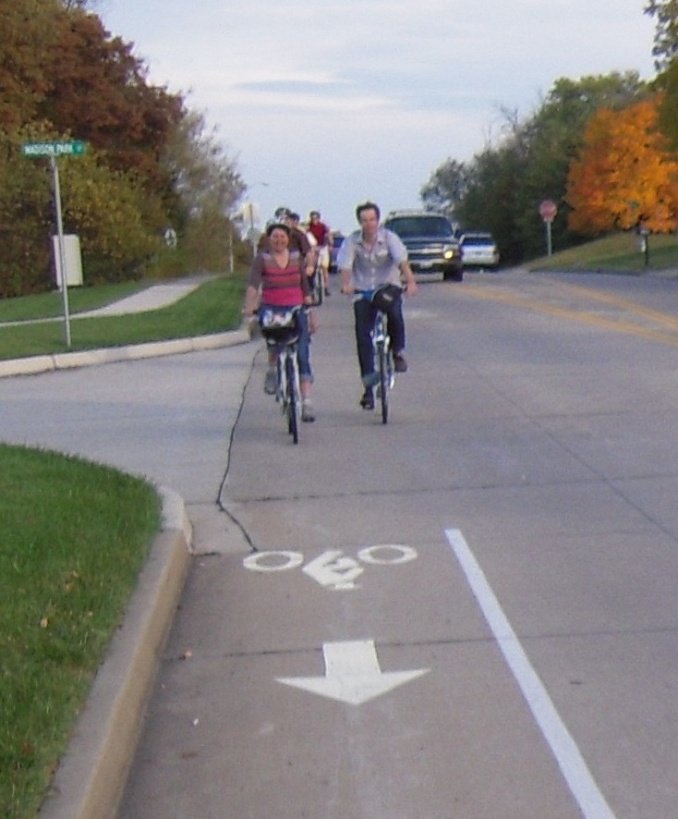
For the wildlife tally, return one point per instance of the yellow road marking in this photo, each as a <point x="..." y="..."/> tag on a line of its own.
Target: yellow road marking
<point x="625" y="304"/>
<point x="583" y="317"/>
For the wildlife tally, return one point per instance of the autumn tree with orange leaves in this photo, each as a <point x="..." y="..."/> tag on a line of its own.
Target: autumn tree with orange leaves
<point x="625" y="176"/>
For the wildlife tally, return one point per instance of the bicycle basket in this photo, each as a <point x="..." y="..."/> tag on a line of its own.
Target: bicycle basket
<point x="279" y="324"/>
<point x="385" y="297"/>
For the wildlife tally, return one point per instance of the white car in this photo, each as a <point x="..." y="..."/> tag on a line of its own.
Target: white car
<point x="478" y="249"/>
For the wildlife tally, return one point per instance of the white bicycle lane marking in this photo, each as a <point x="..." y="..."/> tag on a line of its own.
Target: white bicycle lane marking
<point x="353" y="674"/>
<point x="565" y="750"/>
<point x="333" y="569"/>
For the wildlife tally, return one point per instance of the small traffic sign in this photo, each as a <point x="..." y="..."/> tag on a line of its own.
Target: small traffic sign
<point x="75" y="147"/>
<point x="548" y="210"/>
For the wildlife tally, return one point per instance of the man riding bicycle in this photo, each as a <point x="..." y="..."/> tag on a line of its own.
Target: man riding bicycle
<point x="323" y="237"/>
<point x="369" y="258"/>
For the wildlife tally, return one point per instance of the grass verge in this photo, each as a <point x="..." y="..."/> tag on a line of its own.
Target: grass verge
<point x="617" y="253"/>
<point x="50" y="305"/>
<point x="74" y="538"/>
<point x="214" y="307"/>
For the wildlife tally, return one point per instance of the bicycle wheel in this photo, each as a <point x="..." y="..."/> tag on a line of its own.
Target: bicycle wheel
<point x="318" y="287"/>
<point x="384" y="386"/>
<point x="293" y="400"/>
<point x="281" y="387"/>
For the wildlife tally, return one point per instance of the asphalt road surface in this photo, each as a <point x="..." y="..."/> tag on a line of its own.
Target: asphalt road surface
<point x="468" y="613"/>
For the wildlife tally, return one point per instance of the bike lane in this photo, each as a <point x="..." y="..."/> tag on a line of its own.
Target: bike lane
<point x="360" y="681"/>
<point x="277" y="694"/>
<point x="343" y="667"/>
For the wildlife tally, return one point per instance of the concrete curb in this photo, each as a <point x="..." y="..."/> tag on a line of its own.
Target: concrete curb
<point x="91" y="776"/>
<point x="87" y="358"/>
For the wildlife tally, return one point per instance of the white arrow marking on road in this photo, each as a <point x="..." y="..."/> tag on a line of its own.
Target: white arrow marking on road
<point x="334" y="570"/>
<point x="352" y="674"/>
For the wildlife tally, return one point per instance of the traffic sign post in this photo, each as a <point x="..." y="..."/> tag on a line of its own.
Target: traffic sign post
<point x="53" y="150"/>
<point x="548" y="211"/>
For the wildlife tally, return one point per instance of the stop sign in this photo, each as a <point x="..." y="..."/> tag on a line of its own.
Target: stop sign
<point x="548" y="210"/>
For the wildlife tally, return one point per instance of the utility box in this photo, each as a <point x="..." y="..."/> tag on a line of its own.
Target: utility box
<point x="72" y="260"/>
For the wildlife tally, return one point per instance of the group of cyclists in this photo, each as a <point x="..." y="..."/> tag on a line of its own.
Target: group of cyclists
<point x="280" y="278"/>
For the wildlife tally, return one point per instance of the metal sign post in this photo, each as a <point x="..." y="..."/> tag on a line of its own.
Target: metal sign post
<point x="54" y="150"/>
<point x="62" y="252"/>
<point x="548" y="211"/>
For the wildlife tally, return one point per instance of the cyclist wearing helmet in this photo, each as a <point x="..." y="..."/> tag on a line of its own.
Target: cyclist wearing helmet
<point x="298" y="239"/>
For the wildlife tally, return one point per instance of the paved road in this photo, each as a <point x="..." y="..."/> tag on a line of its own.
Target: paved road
<point x="469" y="612"/>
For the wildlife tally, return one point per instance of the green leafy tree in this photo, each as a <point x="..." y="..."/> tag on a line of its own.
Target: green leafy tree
<point x="118" y="226"/>
<point x="501" y="188"/>
<point x="25" y="218"/>
<point x="666" y="31"/>
<point x="446" y="188"/>
<point x="554" y="136"/>
<point x="208" y="185"/>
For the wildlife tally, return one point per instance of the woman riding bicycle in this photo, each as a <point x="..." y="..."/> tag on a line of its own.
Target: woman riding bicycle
<point x="279" y="280"/>
<point x="369" y="258"/>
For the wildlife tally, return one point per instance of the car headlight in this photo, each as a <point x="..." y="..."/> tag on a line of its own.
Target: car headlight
<point x="449" y="253"/>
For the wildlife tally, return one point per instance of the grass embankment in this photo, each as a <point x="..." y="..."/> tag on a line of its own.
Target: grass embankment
<point x="617" y="253"/>
<point x="214" y="307"/>
<point x="74" y="537"/>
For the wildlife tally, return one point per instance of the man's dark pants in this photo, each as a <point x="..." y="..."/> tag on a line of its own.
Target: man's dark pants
<point x="365" y="313"/>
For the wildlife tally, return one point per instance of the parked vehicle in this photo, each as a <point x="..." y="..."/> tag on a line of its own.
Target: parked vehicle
<point x="430" y="241"/>
<point x="479" y="250"/>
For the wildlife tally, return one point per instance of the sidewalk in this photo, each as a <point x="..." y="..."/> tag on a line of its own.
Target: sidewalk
<point x="91" y="775"/>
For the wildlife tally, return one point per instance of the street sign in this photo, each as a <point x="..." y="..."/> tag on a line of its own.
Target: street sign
<point x="548" y="210"/>
<point x="53" y="150"/>
<point x="74" y="147"/>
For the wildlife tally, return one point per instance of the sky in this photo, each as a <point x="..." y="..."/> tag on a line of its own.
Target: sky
<point x="323" y="104"/>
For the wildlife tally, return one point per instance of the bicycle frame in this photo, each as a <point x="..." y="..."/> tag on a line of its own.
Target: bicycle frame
<point x="317" y="283"/>
<point x="288" y="390"/>
<point x="288" y="386"/>
<point x="383" y="357"/>
<point x="383" y="363"/>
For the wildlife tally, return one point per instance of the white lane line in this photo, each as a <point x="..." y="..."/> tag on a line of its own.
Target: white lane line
<point x="568" y="756"/>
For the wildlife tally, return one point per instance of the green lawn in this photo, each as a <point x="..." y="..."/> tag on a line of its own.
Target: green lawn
<point x="214" y="307"/>
<point x="46" y="305"/>
<point x="619" y="252"/>
<point x="74" y="537"/>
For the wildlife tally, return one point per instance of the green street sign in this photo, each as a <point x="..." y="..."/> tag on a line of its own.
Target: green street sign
<point x="72" y="148"/>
